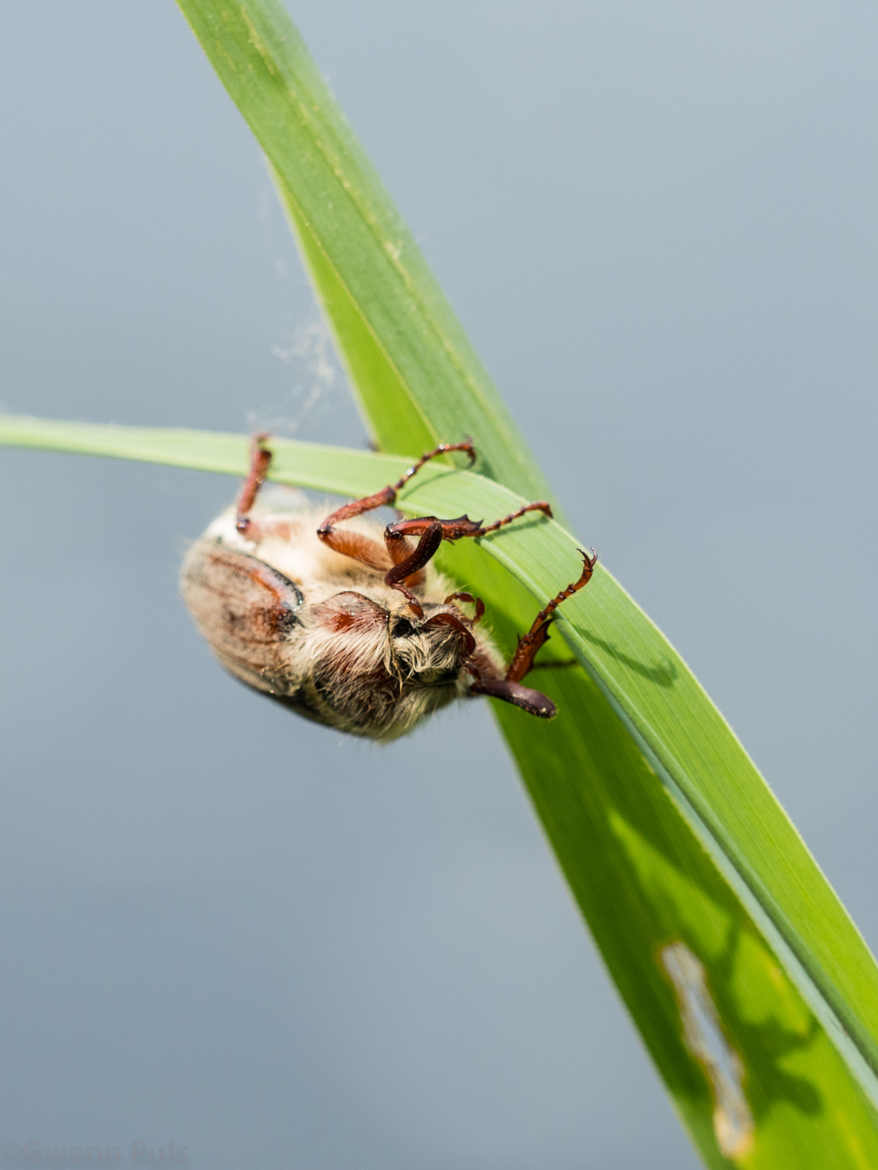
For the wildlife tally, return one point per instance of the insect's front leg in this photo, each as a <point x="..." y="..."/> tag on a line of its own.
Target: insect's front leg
<point x="509" y="687"/>
<point x="528" y="645"/>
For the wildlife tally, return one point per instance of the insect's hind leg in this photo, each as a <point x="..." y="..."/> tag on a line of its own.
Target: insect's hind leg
<point x="369" y="552"/>
<point x="401" y="563"/>
<point x="257" y="529"/>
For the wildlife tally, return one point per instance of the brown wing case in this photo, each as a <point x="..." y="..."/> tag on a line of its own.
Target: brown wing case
<point x="246" y="610"/>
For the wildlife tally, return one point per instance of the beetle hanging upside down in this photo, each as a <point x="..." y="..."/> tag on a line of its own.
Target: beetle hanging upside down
<point x="351" y="626"/>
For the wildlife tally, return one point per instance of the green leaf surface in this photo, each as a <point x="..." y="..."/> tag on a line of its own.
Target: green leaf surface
<point x="682" y="933"/>
<point x="413" y="366"/>
<point x="752" y="989"/>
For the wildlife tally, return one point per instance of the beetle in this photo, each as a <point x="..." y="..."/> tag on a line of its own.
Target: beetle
<point x="350" y="626"/>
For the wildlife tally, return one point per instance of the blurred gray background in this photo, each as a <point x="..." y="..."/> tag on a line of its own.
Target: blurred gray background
<point x="278" y="948"/>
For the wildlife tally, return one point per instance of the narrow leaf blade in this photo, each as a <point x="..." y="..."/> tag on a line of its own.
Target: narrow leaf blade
<point x="700" y="894"/>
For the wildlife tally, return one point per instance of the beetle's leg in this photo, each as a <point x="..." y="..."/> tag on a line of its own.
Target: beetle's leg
<point x="529" y="644"/>
<point x="253" y="529"/>
<point x="361" y="548"/>
<point x="260" y="458"/>
<point x="476" y="601"/>
<point x="402" y="563"/>
<point x="459" y="527"/>
<point x="408" y="562"/>
<point x="432" y="531"/>
<point x="510" y="688"/>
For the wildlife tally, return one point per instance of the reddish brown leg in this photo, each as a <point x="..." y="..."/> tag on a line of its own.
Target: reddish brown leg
<point x="537" y="506"/>
<point x="529" y="644"/>
<point x="408" y="562"/>
<point x="387" y="495"/>
<point x="458" y="528"/>
<point x="433" y="531"/>
<point x="401" y="562"/>
<point x="468" y="597"/>
<point x="510" y="688"/>
<point x="368" y="552"/>
<point x="260" y="458"/>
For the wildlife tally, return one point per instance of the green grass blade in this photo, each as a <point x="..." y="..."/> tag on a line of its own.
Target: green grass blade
<point x="752" y="989"/>
<point x="361" y="254"/>
<point x="644" y="866"/>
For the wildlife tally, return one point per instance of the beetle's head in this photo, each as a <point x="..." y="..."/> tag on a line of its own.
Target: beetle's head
<point x="377" y="670"/>
<point x="429" y="650"/>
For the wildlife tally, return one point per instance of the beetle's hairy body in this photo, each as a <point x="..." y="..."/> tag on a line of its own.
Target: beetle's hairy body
<point x="325" y="635"/>
<point x="349" y="624"/>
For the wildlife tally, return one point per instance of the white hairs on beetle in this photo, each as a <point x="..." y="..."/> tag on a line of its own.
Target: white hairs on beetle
<point x="354" y="626"/>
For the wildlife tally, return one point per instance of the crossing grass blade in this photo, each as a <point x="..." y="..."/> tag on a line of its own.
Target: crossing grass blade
<point x="755" y="995"/>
